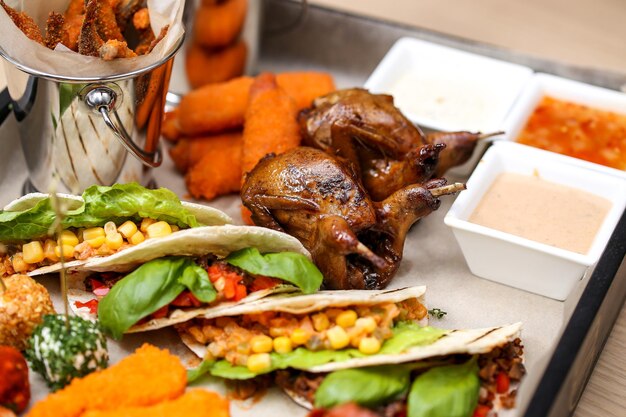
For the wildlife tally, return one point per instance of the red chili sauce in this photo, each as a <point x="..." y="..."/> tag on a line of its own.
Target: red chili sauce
<point x="576" y="130"/>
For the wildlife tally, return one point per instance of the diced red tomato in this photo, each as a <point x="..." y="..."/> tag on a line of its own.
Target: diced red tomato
<point x="263" y="283"/>
<point x="186" y="299"/>
<point x="160" y="313"/>
<point x="240" y="292"/>
<point x="95" y="284"/>
<point x="503" y="382"/>
<point x="92" y="305"/>
<point x="481" y="411"/>
<point x="233" y="289"/>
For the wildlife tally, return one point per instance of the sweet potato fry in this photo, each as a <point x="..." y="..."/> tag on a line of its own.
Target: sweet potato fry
<point x="218" y="172"/>
<point x="189" y="151"/>
<point x="270" y="124"/>
<point x="218" y="107"/>
<point x="218" y="25"/>
<point x="205" y="66"/>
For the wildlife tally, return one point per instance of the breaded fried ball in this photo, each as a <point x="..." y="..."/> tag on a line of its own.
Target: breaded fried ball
<point x="22" y="307"/>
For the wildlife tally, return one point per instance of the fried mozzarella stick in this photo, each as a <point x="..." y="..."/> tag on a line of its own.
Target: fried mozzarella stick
<point x="189" y="151"/>
<point x="219" y="25"/>
<point x="219" y="107"/>
<point x="147" y="377"/>
<point x="195" y="403"/>
<point x="270" y="125"/>
<point x="206" y="66"/>
<point x="217" y="167"/>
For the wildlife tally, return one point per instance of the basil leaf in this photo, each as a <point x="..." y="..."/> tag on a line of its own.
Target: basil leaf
<point x="409" y="334"/>
<point x="101" y="204"/>
<point x="446" y="391"/>
<point x="369" y="387"/>
<point x="196" y="279"/>
<point x="148" y="288"/>
<point x="292" y="267"/>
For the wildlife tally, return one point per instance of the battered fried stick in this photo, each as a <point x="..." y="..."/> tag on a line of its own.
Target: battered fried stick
<point x="226" y="146"/>
<point x="74" y="16"/>
<point x="113" y="49"/>
<point x="213" y="66"/>
<point x="219" y="107"/>
<point x="55" y="32"/>
<point x="25" y="23"/>
<point x="106" y="22"/>
<point x="270" y="125"/>
<point x="219" y="25"/>
<point x="147" y="377"/>
<point x="89" y="41"/>
<point x="124" y="11"/>
<point x="141" y="22"/>
<point x="218" y="169"/>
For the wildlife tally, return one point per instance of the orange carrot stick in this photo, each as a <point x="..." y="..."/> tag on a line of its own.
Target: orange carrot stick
<point x="205" y="66"/>
<point x="217" y="107"/>
<point x="219" y="25"/>
<point x="218" y="170"/>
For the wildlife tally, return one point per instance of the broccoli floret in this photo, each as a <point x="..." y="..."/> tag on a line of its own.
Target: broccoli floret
<point x="60" y="355"/>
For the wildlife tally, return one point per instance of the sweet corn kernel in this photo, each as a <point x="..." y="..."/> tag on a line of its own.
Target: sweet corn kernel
<point x="128" y="229"/>
<point x="300" y="336"/>
<point x="259" y="362"/>
<point x="366" y="323"/>
<point x="320" y="322"/>
<point x="96" y="242"/>
<point x="145" y="223"/>
<point x="48" y="250"/>
<point x="110" y="228"/>
<point x="32" y="252"/>
<point x="261" y="344"/>
<point x="68" y="251"/>
<point x="337" y="337"/>
<point x="158" y="229"/>
<point x="283" y="344"/>
<point x="93" y="233"/>
<point x="175" y="228"/>
<point x="346" y="318"/>
<point x="277" y="331"/>
<point x="137" y="238"/>
<point x="18" y="264"/>
<point x="67" y="237"/>
<point x="114" y="240"/>
<point x="369" y="345"/>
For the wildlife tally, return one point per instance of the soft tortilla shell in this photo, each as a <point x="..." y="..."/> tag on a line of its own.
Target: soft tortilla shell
<point x="304" y="304"/>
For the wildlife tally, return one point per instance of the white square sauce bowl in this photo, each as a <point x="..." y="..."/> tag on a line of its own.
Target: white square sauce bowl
<point x="523" y="263"/>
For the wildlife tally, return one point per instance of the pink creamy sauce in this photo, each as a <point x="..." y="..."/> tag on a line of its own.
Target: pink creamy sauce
<point x="542" y="211"/>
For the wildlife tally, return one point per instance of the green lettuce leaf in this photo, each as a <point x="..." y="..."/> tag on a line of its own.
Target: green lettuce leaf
<point x="148" y="288"/>
<point x="446" y="391"/>
<point x="369" y="387"/>
<point x="102" y="204"/>
<point x="406" y="335"/>
<point x="292" y="267"/>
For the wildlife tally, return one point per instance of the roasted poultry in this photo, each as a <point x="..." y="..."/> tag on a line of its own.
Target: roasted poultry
<point x="356" y="242"/>
<point x="384" y="148"/>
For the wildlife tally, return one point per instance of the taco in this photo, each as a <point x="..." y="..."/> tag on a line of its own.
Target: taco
<point x="200" y="271"/>
<point x="461" y="381"/>
<point x="100" y="223"/>
<point x="308" y="332"/>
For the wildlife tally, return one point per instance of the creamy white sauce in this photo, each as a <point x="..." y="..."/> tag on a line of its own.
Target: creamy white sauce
<point x="543" y="211"/>
<point x="446" y="99"/>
